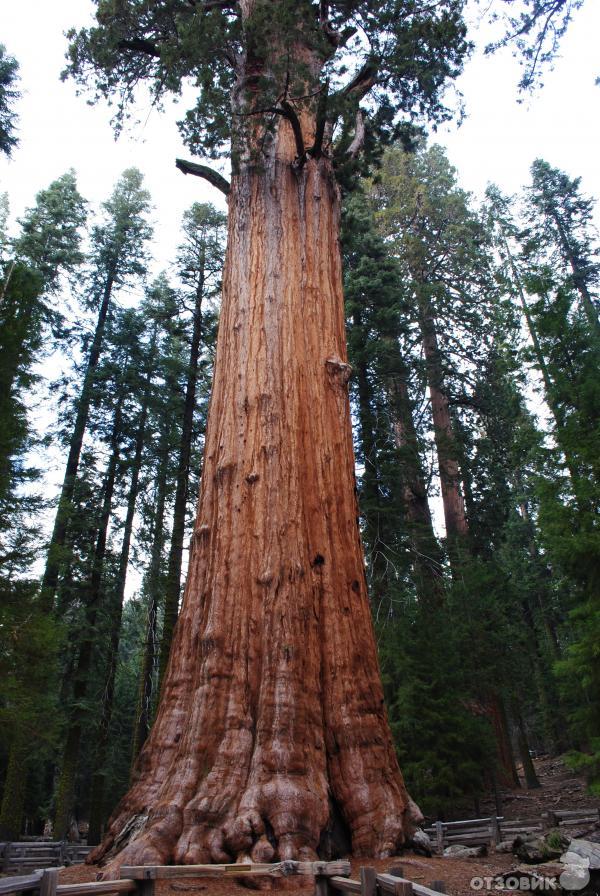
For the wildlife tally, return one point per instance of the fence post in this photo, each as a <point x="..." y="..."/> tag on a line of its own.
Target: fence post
<point x="494" y="831"/>
<point x="6" y="857"/>
<point x="549" y="821"/>
<point x="49" y="882"/>
<point x="321" y="886"/>
<point x="403" y="888"/>
<point x="368" y="881"/>
<point x="439" y="837"/>
<point x="147" y="885"/>
<point x="438" y="885"/>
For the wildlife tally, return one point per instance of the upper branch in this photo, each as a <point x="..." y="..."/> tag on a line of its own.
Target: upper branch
<point x="362" y="82"/>
<point x="213" y="177"/>
<point x="289" y="112"/>
<point x="140" y="45"/>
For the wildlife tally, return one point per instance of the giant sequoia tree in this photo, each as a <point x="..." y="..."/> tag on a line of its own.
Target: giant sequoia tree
<point x="271" y="731"/>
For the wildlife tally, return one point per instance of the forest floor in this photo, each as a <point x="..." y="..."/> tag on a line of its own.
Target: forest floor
<point x="560" y="789"/>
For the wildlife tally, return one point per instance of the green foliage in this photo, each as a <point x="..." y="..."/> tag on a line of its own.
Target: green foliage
<point x="589" y="763"/>
<point x="535" y="29"/>
<point x="274" y="63"/>
<point x="51" y="231"/>
<point x="9" y="77"/>
<point x="444" y="748"/>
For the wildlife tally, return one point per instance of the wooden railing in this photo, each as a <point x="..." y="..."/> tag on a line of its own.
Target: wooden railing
<point x="330" y="878"/>
<point x="490" y="831"/>
<point x="37" y="854"/>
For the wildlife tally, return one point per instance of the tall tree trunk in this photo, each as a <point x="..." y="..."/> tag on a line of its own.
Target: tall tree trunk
<point x="507" y="770"/>
<point x="455" y="517"/>
<point x="457" y="527"/>
<point x="370" y="491"/>
<point x="153" y="589"/>
<point x="63" y="512"/>
<point x="549" y="387"/>
<point x="97" y="807"/>
<point x="173" y="584"/>
<point x="578" y="269"/>
<point x="531" y="779"/>
<point x="427" y="554"/>
<point x="15" y="784"/>
<point x="272" y="719"/>
<point x="70" y="757"/>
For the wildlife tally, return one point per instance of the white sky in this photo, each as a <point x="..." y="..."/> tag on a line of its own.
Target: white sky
<point x="498" y="141"/>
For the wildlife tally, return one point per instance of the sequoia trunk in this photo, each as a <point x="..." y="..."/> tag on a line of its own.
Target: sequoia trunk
<point x="427" y="555"/>
<point x="455" y="518"/>
<point x="272" y="722"/>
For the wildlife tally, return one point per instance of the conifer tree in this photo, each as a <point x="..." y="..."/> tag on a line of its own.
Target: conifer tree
<point x="272" y="84"/>
<point x="117" y="257"/>
<point x="9" y="94"/>
<point x="200" y="264"/>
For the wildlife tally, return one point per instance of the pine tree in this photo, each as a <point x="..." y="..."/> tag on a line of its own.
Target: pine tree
<point x="9" y="77"/>
<point x="200" y="263"/>
<point x="117" y="257"/>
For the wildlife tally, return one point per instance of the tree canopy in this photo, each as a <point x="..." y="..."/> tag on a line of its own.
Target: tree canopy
<point x="9" y="76"/>
<point x="248" y="61"/>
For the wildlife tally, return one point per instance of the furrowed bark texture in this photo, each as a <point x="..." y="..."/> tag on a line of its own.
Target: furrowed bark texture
<point x="271" y="720"/>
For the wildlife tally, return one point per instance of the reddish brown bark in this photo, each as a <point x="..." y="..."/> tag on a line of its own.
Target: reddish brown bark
<point x="272" y="718"/>
<point x="427" y="555"/>
<point x="445" y="441"/>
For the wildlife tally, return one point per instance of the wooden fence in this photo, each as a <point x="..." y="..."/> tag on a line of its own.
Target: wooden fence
<point x="36" y="854"/>
<point x="490" y="831"/>
<point x="330" y="878"/>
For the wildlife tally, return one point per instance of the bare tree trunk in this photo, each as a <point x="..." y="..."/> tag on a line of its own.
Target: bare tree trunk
<point x="457" y="528"/>
<point x="173" y="585"/>
<point x="506" y="761"/>
<point x="531" y="779"/>
<point x="427" y="555"/>
<point x="272" y="719"/>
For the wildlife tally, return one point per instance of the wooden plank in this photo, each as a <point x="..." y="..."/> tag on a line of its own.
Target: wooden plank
<point x="439" y="837"/>
<point x="477" y="823"/>
<point x="404" y="888"/>
<point x="6" y="857"/>
<point x="344" y="884"/>
<point x="387" y="883"/>
<point x="20" y="884"/>
<point x="49" y="882"/>
<point x="368" y="881"/>
<point x="576" y="813"/>
<point x="97" y="887"/>
<point x="237" y="869"/>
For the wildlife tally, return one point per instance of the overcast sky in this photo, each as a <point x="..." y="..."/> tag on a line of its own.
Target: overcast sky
<point x="498" y="141"/>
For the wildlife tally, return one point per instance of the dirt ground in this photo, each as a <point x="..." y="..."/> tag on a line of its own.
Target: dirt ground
<point x="561" y="789"/>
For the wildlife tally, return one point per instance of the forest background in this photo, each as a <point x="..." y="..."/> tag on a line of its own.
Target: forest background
<point x="516" y="368"/>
